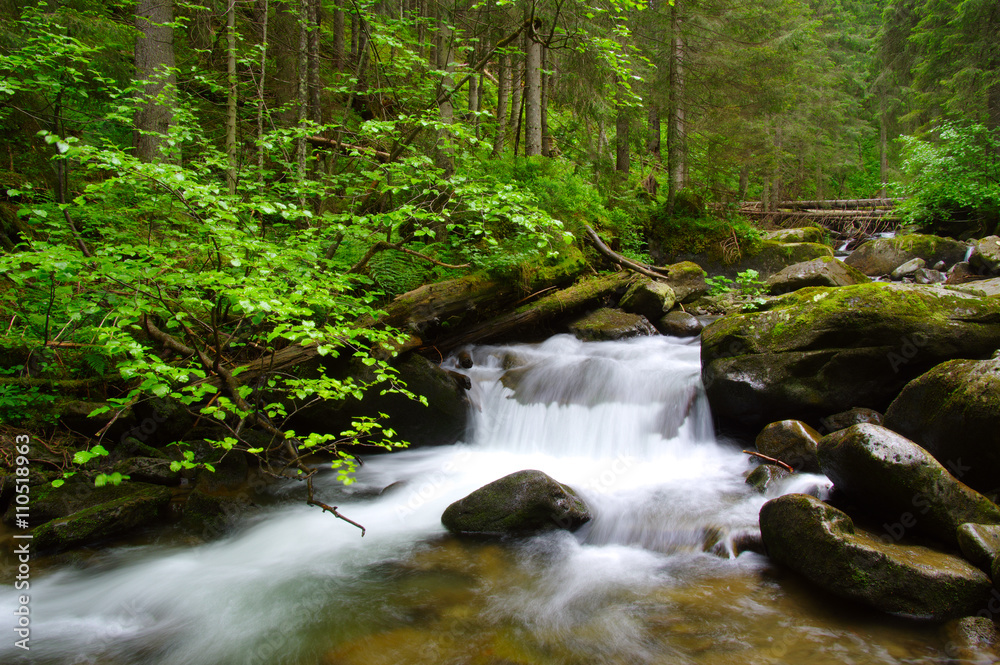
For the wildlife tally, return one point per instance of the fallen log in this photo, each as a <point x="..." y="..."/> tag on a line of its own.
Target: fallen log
<point x="827" y="204"/>
<point x="642" y="269"/>
<point x="346" y="148"/>
<point x="538" y="314"/>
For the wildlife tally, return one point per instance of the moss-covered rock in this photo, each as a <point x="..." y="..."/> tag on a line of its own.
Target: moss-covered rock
<point x="765" y="476"/>
<point x="953" y="411"/>
<point x="824" y="271"/>
<point x="896" y="479"/>
<point x="822" y="350"/>
<point x="141" y="506"/>
<point x="648" y="297"/>
<point x="210" y="516"/>
<point x="609" y="324"/>
<point x="880" y="256"/>
<point x="980" y="544"/>
<point x="801" y="234"/>
<point x="821" y="543"/>
<point x="679" y="324"/>
<point x="987" y="288"/>
<point x="985" y="258"/>
<point x="687" y="279"/>
<point x="48" y="502"/>
<point x="853" y="416"/>
<point x="791" y="441"/>
<point x="521" y="503"/>
<point x="766" y="257"/>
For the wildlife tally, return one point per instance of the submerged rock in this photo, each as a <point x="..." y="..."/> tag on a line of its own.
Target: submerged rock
<point x="824" y="271"/>
<point x="142" y="505"/>
<point x="791" y="441"/>
<point x="953" y="411"/>
<point x="900" y="481"/>
<point x="822" y="350"/>
<point x="679" y="324"/>
<point x="766" y="475"/>
<point x="649" y="298"/>
<point x="521" y="503"/>
<point x="972" y="641"/>
<point x="822" y="543"/>
<point x="610" y="324"/>
<point x="880" y="256"/>
<point x="980" y="544"/>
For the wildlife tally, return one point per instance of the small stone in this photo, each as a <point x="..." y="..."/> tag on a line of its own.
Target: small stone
<point x="925" y="276"/>
<point x="766" y="475"/>
<point x="907" y="269"/>
<point x="679" y="324"/>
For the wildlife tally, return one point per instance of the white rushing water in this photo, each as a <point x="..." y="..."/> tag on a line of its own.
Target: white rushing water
<point x="625" y="423"/>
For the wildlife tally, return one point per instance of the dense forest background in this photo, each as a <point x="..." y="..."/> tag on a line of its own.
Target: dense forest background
<point x="188" y="186"/>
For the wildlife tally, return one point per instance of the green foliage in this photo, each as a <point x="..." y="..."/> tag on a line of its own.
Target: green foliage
<point x="708" y="233"/>
<point x="747" y="283"/>
<point x="952" y="184"/>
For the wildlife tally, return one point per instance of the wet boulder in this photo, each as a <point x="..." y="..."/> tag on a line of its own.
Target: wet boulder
<point x="907" y="269"/>
<point x="985" y="257"/>
<point x="980" y="544"/>
<point x="791" y="441"/>
<point x="687" y="280"/>
<point x="898" y="480"/>
<point x="853" y="416"/>
<point x="822" y="350"/>
<point x="953" y="411"/>
<point x="140" y="506"/>
<point x="522" y="503"/>
<point x="822" y="543"/>
<point x="972" y="641"/>
<point x="824" y="271"/>
<point x="648" y="297"/>
<point x="610" y="324"/>
<point x="880" y="256"/>
<point x="986" y="288"/>
<point x="801" y="234"/>
<point x="925" y="276"/>
<point x="679" y="324"/>
<point x="765" y="476"/>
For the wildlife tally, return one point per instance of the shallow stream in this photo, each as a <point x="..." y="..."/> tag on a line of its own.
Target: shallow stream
<point x="650" y="580"/>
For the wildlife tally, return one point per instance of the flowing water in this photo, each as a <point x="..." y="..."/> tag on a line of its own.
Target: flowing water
<point x="651" y="579"/>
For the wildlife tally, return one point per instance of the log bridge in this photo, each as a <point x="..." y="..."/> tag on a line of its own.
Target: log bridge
<point x="849" y="218"/>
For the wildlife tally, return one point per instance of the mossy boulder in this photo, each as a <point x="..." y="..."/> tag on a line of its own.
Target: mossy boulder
<point x="880" y="256"/>
<point x="953" y="411"/>
<point x="679" y="324"/>
<point x="980" y="544"/>
<point x="791" y="441"/>
<point x="895" y="479"/>
<point x="609" y="324"/>
<point x="765" y="476"/>
<point x="648" y="297"/>
<point x="822" y="543"/>
<point x="524" y="502"/>
<point x="853" y="416"/>
<point x="766" y="257"/>
<point x="143" y="505"/>
<point x="822" y="350"/>
<point x="985" y="258"/>
<point x="444" y="419"/>
<point x="801" y="234"/>
<point x="907" y="269"/>
<point x="687" y="279"/>
<point x="824" y="271"/>
<point x="78" y="493"/>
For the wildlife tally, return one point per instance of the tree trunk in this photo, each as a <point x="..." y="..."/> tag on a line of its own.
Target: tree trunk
<point x="231" y="97"/>
<point x="883" y="147"/>
<point x="262" y="11"/>
<point x="445" y="158"/>
<point x="676" y="143"/>
<point x="653" y="132"/>
<point x="516" y="99"/>
<point x="546" y="84"/>
<point x="503" y="98"/>
<point x="622" y="164"/>
<point x="201" y="32"/>
<point x="355" y="37"/>
<point x="301" y="144"/>
<point x="315" y="84"/>
<point x="533" y="94"/>
<point x="154" y="63"/>
<point x="339" y="44"/>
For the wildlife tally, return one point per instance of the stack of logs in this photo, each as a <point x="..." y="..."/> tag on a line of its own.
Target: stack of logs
<point x="849" y="218"/>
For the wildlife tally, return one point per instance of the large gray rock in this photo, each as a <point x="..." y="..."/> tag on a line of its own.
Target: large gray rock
<point x="609" y="324"/>
<point x="649" y="298"/>
<point x="824" y="271"/>
<point x="953" y="411"/>
<point x="880" y="256"/>
<point x="791" y="441"/>
<point x="523" y="502"/>
<point x="985" y="257"/>
<point x="822" y="543"/>
<point x="898" y="480"/>
<point x="980" y="544"/>
<point x="818" y="351"/>
<point x="141" y="506"/>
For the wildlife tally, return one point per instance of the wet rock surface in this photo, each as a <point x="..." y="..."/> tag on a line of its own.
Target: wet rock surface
<point x="791" y="441"/>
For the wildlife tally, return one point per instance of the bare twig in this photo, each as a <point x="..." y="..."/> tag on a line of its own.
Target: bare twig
<point x="772" y="460"/>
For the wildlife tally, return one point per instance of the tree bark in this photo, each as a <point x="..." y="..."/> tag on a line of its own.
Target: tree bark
<point x="445" y="158"/>
<point x="231" y="97"/>
<point x="154" y="63"/>
<point x="533" y="93"/>
<point x="546" y="84"/>
<point x="516" y="100"/>
<point x="503" y="98"/>
<point x="622" y="163"/>
<point x="676" y="143"/>
<point x="315" y="84"/>
<point x="339" y="44"/>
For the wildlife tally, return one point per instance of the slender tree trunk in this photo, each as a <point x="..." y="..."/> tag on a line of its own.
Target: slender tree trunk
<point x="154" y="63"/>
<point x="262" y="5"/>
<point x="200" y="30"/>
<point x="533" y="94"/>
<point x="653" y="132"/>
<point x="315" y="84"/>
<point x="355" y="37"/>
<point x="446" y="150"/>
<point x="516" y="99"/>
<point x="339" y="44"/>
<point x="744" y="183"/>
<point x="622" y="163"/>
<point x="303" y="97"/>
<point x="676" y="143"/>
<point x="231" y="97"/>
<point x="503" y="97"/>
<point x="883" y="147"/>
<point x="546" y="84"/>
